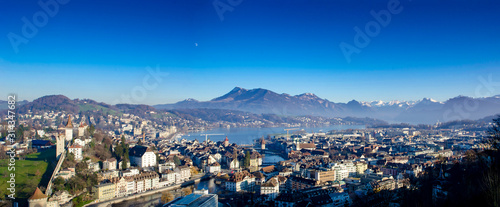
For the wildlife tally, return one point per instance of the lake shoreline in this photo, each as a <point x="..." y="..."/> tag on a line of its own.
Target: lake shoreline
<point x="247" y="135"/>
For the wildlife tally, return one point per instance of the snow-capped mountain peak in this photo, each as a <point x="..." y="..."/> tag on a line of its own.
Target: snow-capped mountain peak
<point x="397" y="103"/>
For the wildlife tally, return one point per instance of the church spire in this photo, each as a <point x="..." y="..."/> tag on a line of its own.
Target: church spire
<point x="37" y="194"/>
<point x="69" y="124"/>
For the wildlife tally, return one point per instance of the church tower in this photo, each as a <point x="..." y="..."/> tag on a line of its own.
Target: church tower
<point x="226" y="142"/>
<point x="59" y="146"/>
<point x="69" y="129"/>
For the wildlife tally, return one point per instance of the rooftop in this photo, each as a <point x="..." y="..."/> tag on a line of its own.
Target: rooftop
<point x="194" y="199"/>
<point x="37" y="194"/>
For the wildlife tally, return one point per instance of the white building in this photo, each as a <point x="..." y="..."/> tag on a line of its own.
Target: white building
<point x="146" y="181"/>
<point x="271" y="188"/>
<point x="341" y="171"/>
<point x="130" y="172"/>
<point x="142" y="156"/>
<point x="241" y="181"/>
<point x="130" y="185"/>
<point x="170" y="177"/>
<point x="79" y="142"/>
<point x="166" y="166"/>
<point x="351" y="169"/>
<point x="183" y="173"/>
<point x="77" y="151"/>
<point x="120" y="186"/>
<point x="93" y="166"/>
<point x="233" y="164"/>
<point x="109" y="164"/>
<point x="213" y="168"/>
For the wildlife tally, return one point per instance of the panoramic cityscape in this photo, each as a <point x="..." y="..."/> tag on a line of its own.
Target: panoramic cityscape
<point x="223" y="103"/>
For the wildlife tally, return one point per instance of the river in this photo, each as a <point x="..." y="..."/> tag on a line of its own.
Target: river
<point x="248" y="135"/>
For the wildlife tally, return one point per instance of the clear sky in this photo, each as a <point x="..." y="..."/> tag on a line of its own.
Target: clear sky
<point x="101" y="49"/>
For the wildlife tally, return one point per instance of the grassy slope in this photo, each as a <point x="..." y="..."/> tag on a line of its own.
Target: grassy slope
<point x="27" y="177"/>
<point x="91" y="107"/>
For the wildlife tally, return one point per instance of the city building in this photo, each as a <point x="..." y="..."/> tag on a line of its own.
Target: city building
<point x="104" y="191"/>
<point x="76" y="151"/>
<point x="341" y="171"/>
<point x="213" y="168"/>
<point x="241" y="181"/>
<point x="324" y="175"/>
<point x="196" y="199"/>
<point x="109" y="164"/>
<point x="142" y="156"/>
<point x="270" y="189"/>
<point x="67" y="173"/>
<point x="297" y="183"/>
<point x="120" y="186"/>
<point x="93" y="166"/>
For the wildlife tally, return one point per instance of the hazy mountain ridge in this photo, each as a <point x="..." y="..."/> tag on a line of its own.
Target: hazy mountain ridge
<point x="4" y="104"/>
<point x="426" y="111"/>
<point x="261" y="101"/>
<point x="61" y="103"/>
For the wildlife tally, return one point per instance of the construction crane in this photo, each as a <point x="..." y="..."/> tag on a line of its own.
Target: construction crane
<point x="206" y="136"/>
<point x="287" y="138"/>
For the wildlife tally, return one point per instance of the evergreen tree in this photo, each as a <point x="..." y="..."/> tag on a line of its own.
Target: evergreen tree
<point x="177" y="161"/>
<point x="246" y="162"/>
<point x="124" y="164"/>
<point x="91" y="130"/>
<point x="494" y="133"/>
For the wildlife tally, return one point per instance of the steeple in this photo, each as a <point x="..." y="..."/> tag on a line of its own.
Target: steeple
<point x="37" y="194"/>
<point x="69" y="124"/>
<point x="226" y="142"/>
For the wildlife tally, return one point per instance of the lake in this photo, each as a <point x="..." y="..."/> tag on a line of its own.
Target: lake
<point x="248" y="135"/>
<point x="235" y="135"/>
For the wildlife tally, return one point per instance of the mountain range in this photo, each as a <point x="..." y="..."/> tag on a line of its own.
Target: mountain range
<point x="196" y="117"/>
<point x="425" y="111"/>
<point x="266" y="102"/>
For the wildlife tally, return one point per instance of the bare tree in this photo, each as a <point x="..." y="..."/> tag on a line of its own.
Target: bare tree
<point x="491" y="186"/>
<point x="494" y="133"/>
<point x="167" y="196"/>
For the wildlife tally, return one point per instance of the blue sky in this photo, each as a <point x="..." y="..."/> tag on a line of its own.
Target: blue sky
<point x="101" y="49"/>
